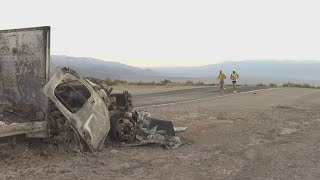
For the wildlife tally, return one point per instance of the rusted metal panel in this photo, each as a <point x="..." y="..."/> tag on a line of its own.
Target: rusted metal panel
<point x="24" y="67"/>
<point x="22" y="128"/>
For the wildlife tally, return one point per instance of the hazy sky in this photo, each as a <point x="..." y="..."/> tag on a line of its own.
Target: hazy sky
<point x="174" y="32"/>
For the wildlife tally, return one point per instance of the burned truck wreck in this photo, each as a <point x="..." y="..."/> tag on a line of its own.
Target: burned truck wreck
<point x="68" y="109"/>
<point x="85" y="113"/>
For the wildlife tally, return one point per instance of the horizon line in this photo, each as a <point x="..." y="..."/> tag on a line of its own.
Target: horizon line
<point x="186" y="66"/>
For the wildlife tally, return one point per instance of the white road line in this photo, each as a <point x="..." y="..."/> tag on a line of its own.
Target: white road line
<point x="195" y="100"/>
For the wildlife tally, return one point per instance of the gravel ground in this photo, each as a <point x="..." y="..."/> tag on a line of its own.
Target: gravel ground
<point x="271" y="134"/>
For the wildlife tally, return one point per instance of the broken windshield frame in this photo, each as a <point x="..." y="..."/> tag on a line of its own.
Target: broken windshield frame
<point x="63" y="100"/>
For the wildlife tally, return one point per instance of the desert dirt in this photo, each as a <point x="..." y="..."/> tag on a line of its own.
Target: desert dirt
<point x="272" y="134"/>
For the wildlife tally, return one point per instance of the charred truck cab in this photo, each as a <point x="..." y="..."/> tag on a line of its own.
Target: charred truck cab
<point x="81" y="104"/>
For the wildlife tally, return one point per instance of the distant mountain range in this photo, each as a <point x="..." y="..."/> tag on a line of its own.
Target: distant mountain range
<point x="101" y="69"/>
<point x="270" y="68"/>
<point x="266" y="71"/>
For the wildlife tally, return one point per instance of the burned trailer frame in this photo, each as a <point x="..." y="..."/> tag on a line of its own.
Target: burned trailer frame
<point x="24" y="70"/>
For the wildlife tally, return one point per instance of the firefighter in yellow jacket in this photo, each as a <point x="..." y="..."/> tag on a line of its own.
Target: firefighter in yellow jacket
<point x="234" y="76"/>
<point x="222" y="77"/>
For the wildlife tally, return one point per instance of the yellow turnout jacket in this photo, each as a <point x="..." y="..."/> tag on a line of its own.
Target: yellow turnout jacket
<point x="222" y="76"/>
<point x="234" y="76"/>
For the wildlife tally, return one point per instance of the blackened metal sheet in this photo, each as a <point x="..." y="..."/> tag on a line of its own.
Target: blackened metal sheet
<point x="24" y="66"/>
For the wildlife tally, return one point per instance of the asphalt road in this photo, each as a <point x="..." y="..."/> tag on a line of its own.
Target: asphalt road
<point x="158" y="98"/>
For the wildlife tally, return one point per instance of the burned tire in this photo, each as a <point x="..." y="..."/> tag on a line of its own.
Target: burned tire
<point x="122" y="129"/>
